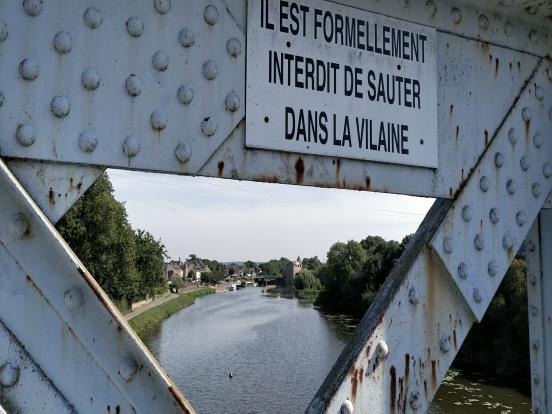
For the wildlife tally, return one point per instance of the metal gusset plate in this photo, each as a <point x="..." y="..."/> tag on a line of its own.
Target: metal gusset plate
<point x="149" y="85"/>
<point x="69" y="328"/>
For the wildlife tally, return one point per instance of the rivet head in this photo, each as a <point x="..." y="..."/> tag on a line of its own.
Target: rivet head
<point x="431" y="8"/>
<point x="484" y="183"/>
<point x="133" y="85"/>
<point x="499" y="160"/>
<point x="211" y="14"/>
<point x="521" y="218"/>
<point x="232" y="102"/>
<point x="539" y="93"/>
<point x="28" y="69"/>
<point x="479" y="242"/>
<point x="512" y="136"/>
<point x="73" y="298"/>
<point x="526" y="114"/>
<point x="547" y="170"/>
<point x="186" y="37"/>
<point x="444" y="345"/>
<point x="63" y="43"/>
<point x="524" y="163"/>
<point x="92" y="18"/>
<point x="382" y="350"/>
<point x="530" y="246"/>
<point x="158" y="120"/>
<point x="347" y="407"/>
<point x="507" y="241"/>
<point x="90" y="79"/>
<point x="234" y="47"/>
<point x="509" y="29"/>
<point x="131" y="146"/>
<point x="492" y="268"/>
<point x="60" y="106"/>
<point x="494" y="215"/>
<point x="467" y="213"/>
<point x="128" y="369"/>
<point x="537" y="140"/>
<point x="511" y="186"/>
<point x="209" y="126"/>
<point x="2" y="99"/>
<point x="476" y="294"/>
<point x="135" y="26"/>
<point x="456" y="15"/>
<point x="3" y="31"/>
<point x="26" y="134"/>
<point x="533" y="36"/>
<point x="532" y="278"/>
<point x="415" y="400"/>
<point x="33" y="7"/>
<point x="448" y="245"/>
<point x="88" y="141"/>
<point x="9" y="374"/>
<point x="536" y="189"/>
<point x="413" y="296"/>
<point x="18" y="226"/>
<point x="182" y="153"/>
<point x="185" y="94"/>
<point x="160" y="61"/>
<point x="463" y="271"/>
<point x="210" y="70"/>
<point x="162" y="6"/>
<point x="483" y="22"/>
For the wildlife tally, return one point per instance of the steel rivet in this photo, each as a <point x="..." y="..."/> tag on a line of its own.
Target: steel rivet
<point x="346" y="407"/>
<point x="534" y="311"/>
<point x="9" y="374"/>
<point x="507" y="241"/>
<point x="444" y="345"/>
<point x="209" y="126"/>
<point x="210" y="70"/>
<point x="466" y="213"/>
<point x="63" y="43"/>
<point x="92" y="17"/>
<point x="508" y="29"/>
<point x="499" y="160"/>
<point x="524" y="163"/>
<point x="382" y="350"/>
<point x="537" y="140"/>
<point x="530" y="246"/>
<point x="232" y="102"/>
<point x="233" y="47"/>
<point x="536" y="189"/>
<point x="533" y="36"/>
<point x="476" y="296"/>
<point x="431" y="8"/>
<point x="512" y="136"/>
<point x="547" y="170"/>
<point x="483" y="22"/>
<point x="128" y="369"/>
<point x="73" y="298"/>
<point x="3" y="31"/>
<point x="463" y="271"/>
<point x="494" y="216"/>
<point x="492" y="268"/>
<point x="28" y="69"/>
<point x="131" y="146"/>
<point x="511" y="186"/>
<point x="185" y="94"/>
<point x="415" y="400"/>
<point x="19" y="226"/>
<point x="60" y="106"/>
<point x="25" y="134"/>
<point x="532" y="277"/>
<point x="484" y="183"/>
<point x="90" y="79"/>
<point x="447" y="245"/>
<point x="521" y="218"/>
<point x="2" y="99"/>
<point x="186" y="37"/>
<point x="133" y="85"/>
<point x="526" y="114"/>
<point x="456" y="14"/>
<point x="211" y="14"/>
<point x="158" y="120"/>
<point x="539" y="93"/>
<point x="88" y="141"/>
<point x="182" y="153"/>
<point x="160" y="61"/>
<point x="413" y="296"/>
<point x="162" y="6"/>
<point x="479" y="242"/>
<point x="33" y="7"/>
<point x="135" y="26"/>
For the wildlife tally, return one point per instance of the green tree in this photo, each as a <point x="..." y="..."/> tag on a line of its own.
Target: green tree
<point x="311" y="263"/>
<point x="306" y="279"/>
<point x="271" y="268"/>
<point x="250" y="264"/>
<point x="150" y="255"/>
<point x="216" y="273"/>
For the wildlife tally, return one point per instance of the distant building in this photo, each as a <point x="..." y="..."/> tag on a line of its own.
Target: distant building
<point x="291" y="270"/>
<point x="172" y="269"/>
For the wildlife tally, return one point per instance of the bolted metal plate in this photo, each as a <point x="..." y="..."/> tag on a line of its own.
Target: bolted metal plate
<point x="144" y="85"/>
<point x="488" y="222"/>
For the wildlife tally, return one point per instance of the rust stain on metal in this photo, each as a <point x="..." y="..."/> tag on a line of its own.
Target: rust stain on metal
<point x="268" y="179"/>
<point x="519" y="65"/>
<point x="89" y="280"/>
<point x="368" y="181"/>
<point x="457" y="132"/>
<point x="361" y="375"/>
<point x="406" y="367"/>
<point x="486" y="138"/>
<point x="337" y="167"/>
<point x="299" y="171"/>
<point x="425" y="389"/>
<point x="118" y="409"/>
<point x="220" y="168"/>
<point x="451" y="110"/>
<point x="433" y="373"/>
<point x="497" y="64"/>
<point x="354" y="385"/>
<point x="52" y="197"/>
<point x="454" y="339"/>
<point x="527" y="128"/>
<point x="393" y="387"/>
<point x="179" y="399"/>
<point x="368" y="351"/>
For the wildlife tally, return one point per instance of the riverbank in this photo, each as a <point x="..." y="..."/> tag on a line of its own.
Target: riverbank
<point x="147" y="321"/>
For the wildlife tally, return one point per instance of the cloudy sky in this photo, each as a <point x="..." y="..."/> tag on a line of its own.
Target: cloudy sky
<point x="231" y="220"/>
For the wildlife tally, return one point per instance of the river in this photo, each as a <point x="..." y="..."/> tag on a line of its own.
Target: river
<point x="279" y="350"/>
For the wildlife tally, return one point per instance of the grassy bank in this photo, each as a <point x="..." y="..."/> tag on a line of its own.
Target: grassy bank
<point x="309" y="295"/>
<point x="145" y="323"/>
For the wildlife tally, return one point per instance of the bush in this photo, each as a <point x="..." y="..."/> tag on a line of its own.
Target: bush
<point x="306" y="280"/>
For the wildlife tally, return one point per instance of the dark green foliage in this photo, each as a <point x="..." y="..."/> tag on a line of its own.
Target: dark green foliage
<point x="215" y="275"/>
<point x="306" y="279"/>
<point x="150" y="254"/>
<point x="311" y="263"/>
<point x="274" y="267"/>
<point x="250" y="265"/>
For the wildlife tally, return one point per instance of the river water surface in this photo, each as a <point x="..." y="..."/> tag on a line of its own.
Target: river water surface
<point x="279" y="351"/>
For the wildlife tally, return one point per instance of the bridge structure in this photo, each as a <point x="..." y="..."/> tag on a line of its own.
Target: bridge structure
<point x="244" y="90"/>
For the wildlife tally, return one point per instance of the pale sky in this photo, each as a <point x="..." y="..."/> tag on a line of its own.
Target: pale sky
<point x="230" y="220"/>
